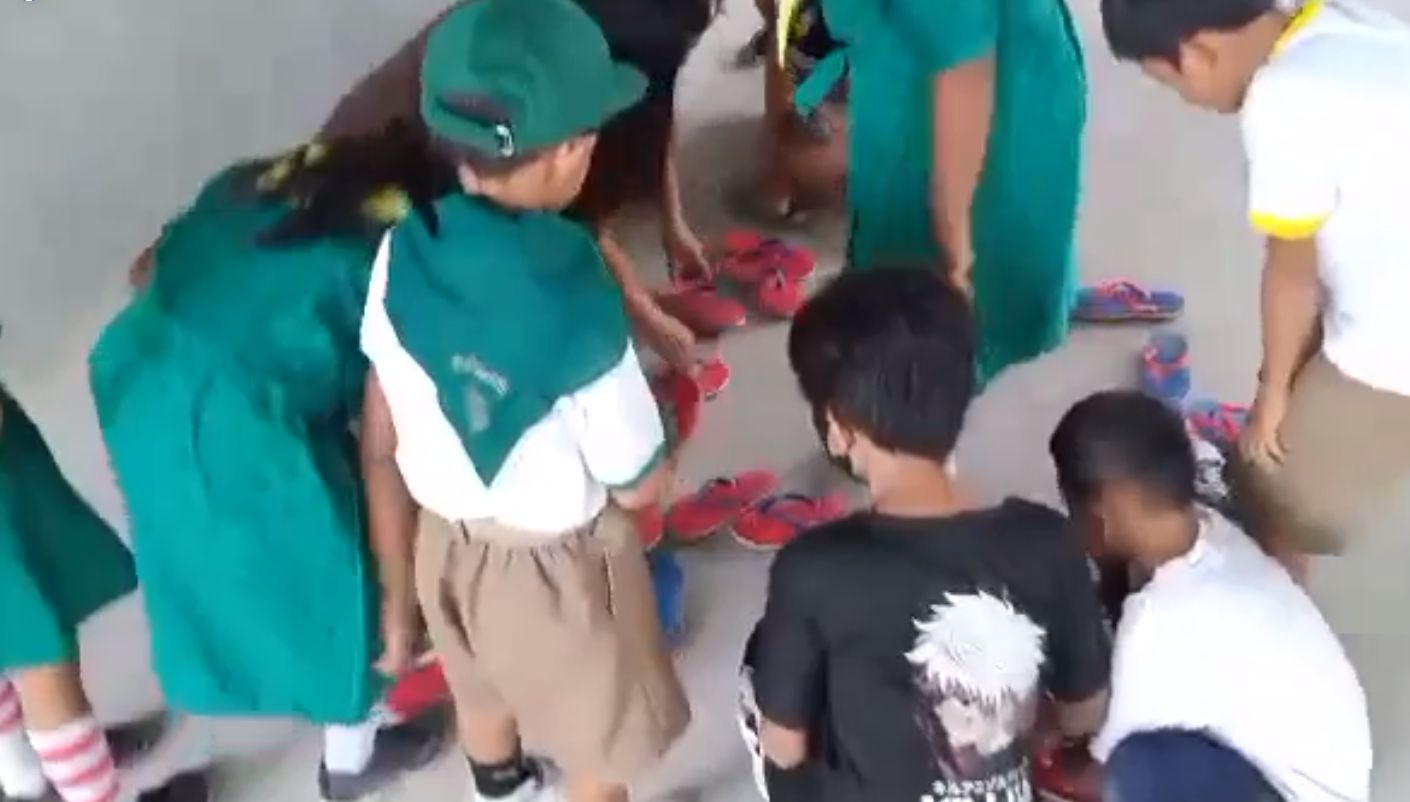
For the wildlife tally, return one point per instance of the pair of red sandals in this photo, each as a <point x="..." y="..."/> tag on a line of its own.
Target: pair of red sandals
<point x="772" y="272"/>
<point x="750" y="507"/>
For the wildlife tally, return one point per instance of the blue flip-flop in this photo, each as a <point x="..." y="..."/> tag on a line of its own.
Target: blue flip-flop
<point x="1165" y="367"/>
<point x="668" y="584"/>
<point x="1126" y="301"/>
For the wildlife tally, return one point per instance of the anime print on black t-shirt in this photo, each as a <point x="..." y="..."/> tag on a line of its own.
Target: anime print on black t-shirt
<point x="976" y="665"/>
<point x="915" y="652"/>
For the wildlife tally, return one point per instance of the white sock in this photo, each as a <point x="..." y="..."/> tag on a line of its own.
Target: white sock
<point x="77" y="761"/>
<point x="21" y="776"/>
<point x="347" y="749"/>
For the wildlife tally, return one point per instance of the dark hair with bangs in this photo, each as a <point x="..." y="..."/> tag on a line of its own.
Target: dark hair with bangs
<point x="890" y="351"/>
<point x="1123" y="435"/>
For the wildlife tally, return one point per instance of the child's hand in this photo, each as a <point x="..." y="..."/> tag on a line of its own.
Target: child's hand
<point x="1261" y="441"/>
<point x="961" y="269"/>
<point x="685" y="255"/>
<point x="140" y="273"/>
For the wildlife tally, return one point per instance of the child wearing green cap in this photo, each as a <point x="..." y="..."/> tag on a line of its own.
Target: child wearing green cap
<point x="507" y="403"/>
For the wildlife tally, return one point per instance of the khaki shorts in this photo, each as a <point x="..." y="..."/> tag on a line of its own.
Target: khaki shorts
<point x="561" y="634"/>
<point x="1348" y="454"/>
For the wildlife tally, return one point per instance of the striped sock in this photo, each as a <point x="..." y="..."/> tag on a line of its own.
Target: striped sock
<point x="76" y="760"/>
<point x="20" y="775"/>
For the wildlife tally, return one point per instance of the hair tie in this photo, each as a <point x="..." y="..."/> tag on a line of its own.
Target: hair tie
<point x="388" y="205"/>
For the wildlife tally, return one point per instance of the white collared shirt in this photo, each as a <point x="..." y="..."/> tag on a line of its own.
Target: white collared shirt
<point x="1222" y="641"/>
<point x="556" y="478"/>
<point x="1326" y="124"/>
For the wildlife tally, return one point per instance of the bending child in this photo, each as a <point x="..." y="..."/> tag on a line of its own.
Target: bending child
<point x="1323" y="96"/>
<point x="904" y="652"/>
<point x="1220" y="647"/>
<point x="507" y="403"/>
<point x="228" y="392"/>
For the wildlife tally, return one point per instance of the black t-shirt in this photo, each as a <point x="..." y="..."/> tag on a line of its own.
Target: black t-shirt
<point x="915" y="651"/>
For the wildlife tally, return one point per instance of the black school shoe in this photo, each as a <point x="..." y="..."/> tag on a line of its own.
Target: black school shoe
<point x="189" y="787"/>
<point x="130" y="741"/>
<point x="399" y="749"/>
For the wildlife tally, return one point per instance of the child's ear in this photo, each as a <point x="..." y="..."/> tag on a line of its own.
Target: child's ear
<point x="840" y="438"/>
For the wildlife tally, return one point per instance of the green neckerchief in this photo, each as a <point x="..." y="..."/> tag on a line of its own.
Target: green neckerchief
<point x="506" y="312"/>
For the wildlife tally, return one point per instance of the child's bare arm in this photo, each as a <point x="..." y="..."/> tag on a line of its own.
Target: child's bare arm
<point x="962" y="107"/>
<point x="785" y="747"/>
<point x="1291" y="302"/>
<point x="1291" y="305"/>
<point x="668" y="337"/>
<point x="391" y="519"/>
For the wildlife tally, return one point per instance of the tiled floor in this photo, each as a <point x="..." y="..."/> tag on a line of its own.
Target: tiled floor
<point x="114" y="111"/>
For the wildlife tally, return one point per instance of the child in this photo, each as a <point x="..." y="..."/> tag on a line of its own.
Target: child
<point x="1220" y="648"/>
<point x="507" y="402"/>
<point x="807" y="160"/>
<point x="1324" y="100"/>
<point x="944" y="165"/>
<point x="636" y="159"/>
<point x="904" y="652"/>
<point x="227" y="392"/>
<point x="59" y="564"/>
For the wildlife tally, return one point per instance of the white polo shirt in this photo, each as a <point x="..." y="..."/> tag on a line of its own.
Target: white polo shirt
<point x="1223" y="641"/>
<point x="1326" y="126"/>
<point x="556" y="478"/>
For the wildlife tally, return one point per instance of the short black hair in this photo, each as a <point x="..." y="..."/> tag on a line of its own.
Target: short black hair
<point x="1144" y="29"/>
<point x="889" y="351"/>
<point x="1123" y="435"/>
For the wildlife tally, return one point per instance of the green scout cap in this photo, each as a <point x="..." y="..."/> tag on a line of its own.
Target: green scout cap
<point x="504" y="77"/>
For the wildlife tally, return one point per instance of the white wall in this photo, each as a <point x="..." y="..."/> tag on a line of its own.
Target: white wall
<point x="111" y="114"/>
<point x="111" y="111"/>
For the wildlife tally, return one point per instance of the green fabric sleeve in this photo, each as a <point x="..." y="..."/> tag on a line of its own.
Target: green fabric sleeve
<point x="946" y="33"/>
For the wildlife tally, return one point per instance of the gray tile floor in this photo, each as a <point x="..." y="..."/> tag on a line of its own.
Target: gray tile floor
<point x="114" y="111"/>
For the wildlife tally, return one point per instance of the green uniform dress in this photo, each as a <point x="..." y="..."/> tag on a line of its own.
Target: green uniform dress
<point x="226" y="393"/>
<point x="59" y="562"/>
<point x="1025" y="208"/>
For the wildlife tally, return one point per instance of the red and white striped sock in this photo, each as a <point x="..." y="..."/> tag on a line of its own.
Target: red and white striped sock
<point x="77" y="761"/>
<point x="20" y="775"/>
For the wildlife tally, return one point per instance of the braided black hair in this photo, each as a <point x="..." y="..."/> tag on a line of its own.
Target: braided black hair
<point x="354" y="186"/>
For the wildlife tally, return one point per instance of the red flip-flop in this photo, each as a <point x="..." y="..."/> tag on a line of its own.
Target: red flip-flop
<point x="750" y="258"/>
<point x="774" y="522"/>
<point x="418" y="690"/>
<point x="712" y="377"/>
<point x="779" y="296"/>
<point x="702" y="309"/>
<point x="678" y="397"/>
<point x="716" y="504"/>
<point x="651" y="525"/>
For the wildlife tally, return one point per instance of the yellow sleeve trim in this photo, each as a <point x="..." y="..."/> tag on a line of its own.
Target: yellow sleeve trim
<point x="1297" y="22"/>
<point x="1284" y="228"/>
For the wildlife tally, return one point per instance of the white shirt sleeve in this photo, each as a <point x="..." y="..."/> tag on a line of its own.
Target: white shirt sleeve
<point x="618" y="425"/>
<point x="378" y="338"/>
<point x="1292" y="158"/>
